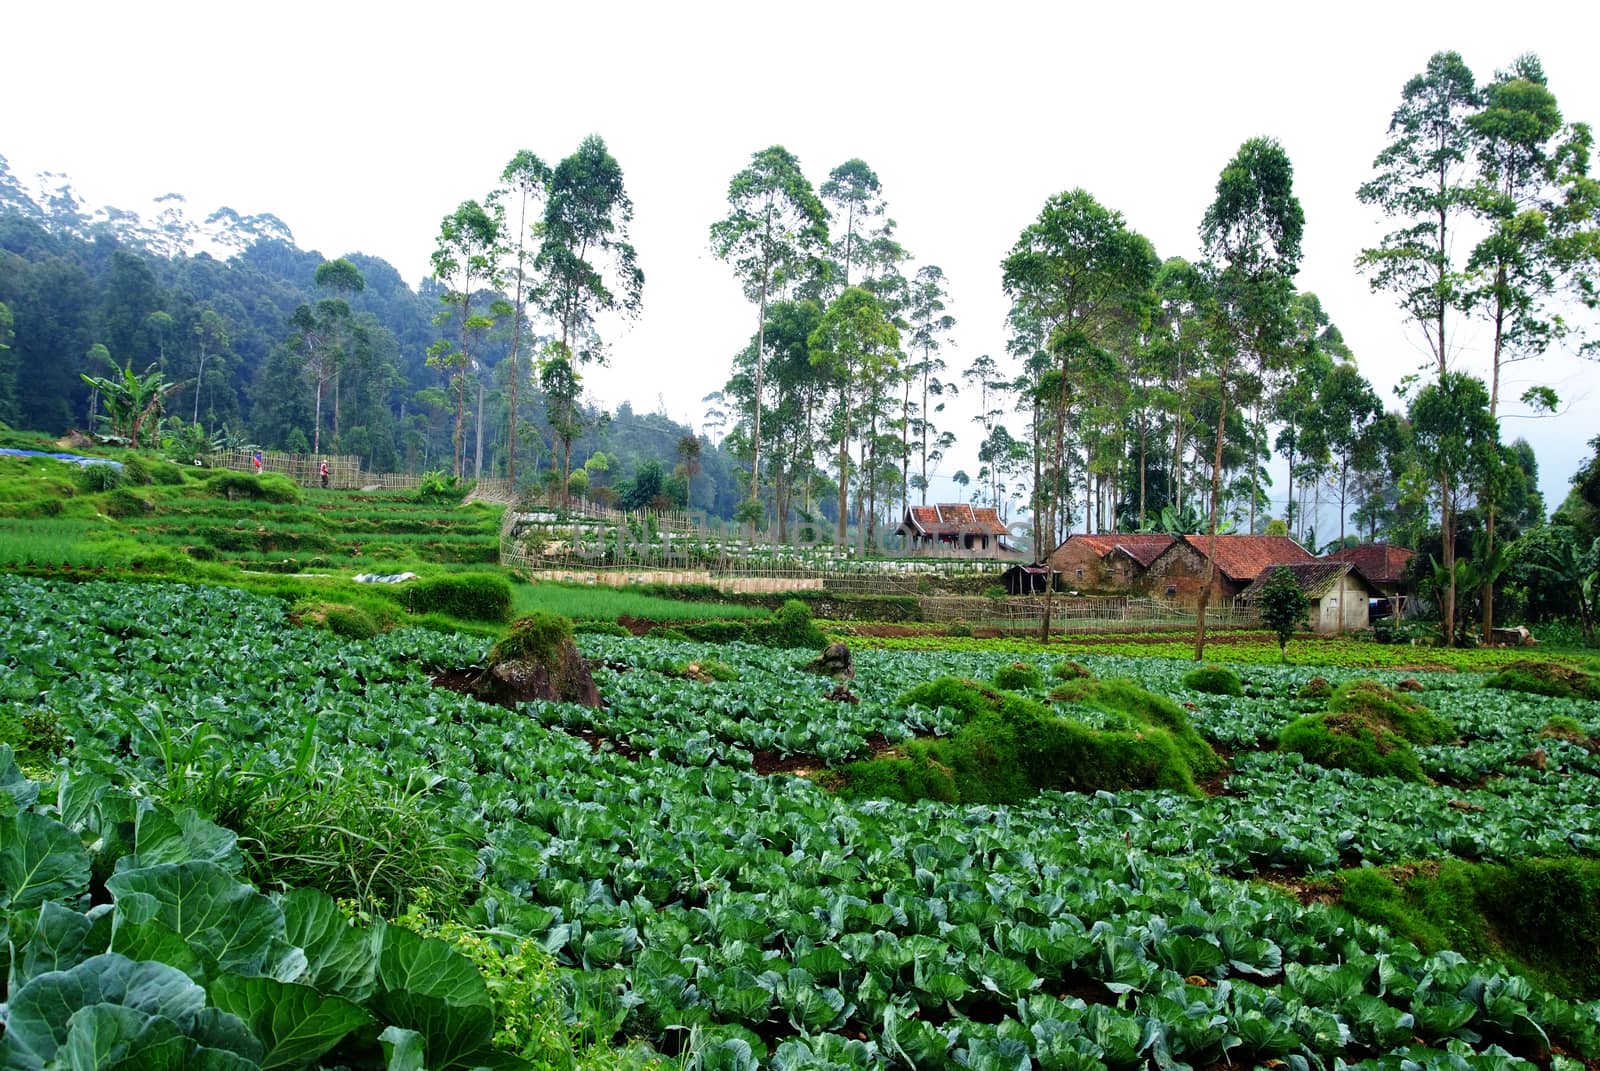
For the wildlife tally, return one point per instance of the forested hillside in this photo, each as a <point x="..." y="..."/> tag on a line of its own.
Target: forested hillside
<point x="241" y="322"/>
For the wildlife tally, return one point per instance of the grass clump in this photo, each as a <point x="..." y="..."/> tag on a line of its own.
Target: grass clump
<point x="1214" y="680"/>
<point x="1545" y="678"/>
<point x="1011" y="747"/>
<point x="1367" y="729"/>
<point x="469" y="596"/>
<point x="538" y="637"/>
<point x="670" y="633"/>
<point x="352" y="623"/>
<point x="1316" y="688"/>
<point x="1070" y="670"/>
<point x="1564" y="727"/>
<point x="600" y="628"/>
<point x="1018" y="677"/>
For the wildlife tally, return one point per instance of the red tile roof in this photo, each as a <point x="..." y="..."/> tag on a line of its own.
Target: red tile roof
<point x="1142" y="547"/>
<point x="953" y="517"/>
<point x="1244" y="557"/>
<point x="1380" y="563"/>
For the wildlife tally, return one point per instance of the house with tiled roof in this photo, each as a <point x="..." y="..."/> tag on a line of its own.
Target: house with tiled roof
<point x="1383" y="566"/>
<point x="1180" y="570"/>
<point x="954" y="526"/>
<point x="1108" y="561"/>
<point x="1337" y="592"/>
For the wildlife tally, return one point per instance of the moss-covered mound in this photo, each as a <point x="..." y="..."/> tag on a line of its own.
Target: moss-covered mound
<point x="1563" y="727"/>
<point x="1546" y="678"/>
<point x="1539" y="916"/>
<point x="1368" y="729"/>
<point x="1214" y="680"/>
<point x="1018" y="677"/>
<point x="1011" y="747"/>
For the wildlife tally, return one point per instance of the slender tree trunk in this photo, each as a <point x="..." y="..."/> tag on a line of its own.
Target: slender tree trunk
<point x="477" y="456"/>
<point x="1487" y="594"/>
<point x="1216" y="513"/>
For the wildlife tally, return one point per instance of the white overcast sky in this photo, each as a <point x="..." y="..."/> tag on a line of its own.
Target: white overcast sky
<point x="361" y="125"/>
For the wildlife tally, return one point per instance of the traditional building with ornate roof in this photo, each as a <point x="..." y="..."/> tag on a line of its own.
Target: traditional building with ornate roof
<point x="955" y="527"/>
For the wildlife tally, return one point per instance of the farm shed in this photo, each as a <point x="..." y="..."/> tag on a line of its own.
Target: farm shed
<point x="1108" y="562"/>
<point x="1337" y="592"/>
<point x="954" y="526"/>
<point x="1026" y="579"/>
<point x="1180" y="571"/>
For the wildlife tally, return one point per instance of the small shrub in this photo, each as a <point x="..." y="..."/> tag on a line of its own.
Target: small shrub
<point x="1018" y="677"/>
<point x="958" y="631"/>
<point x="708" y="669"/>
<point x="95" y="478"/>
<point x="469" y="596"/>
<point x="136" y="470"/>
<point x="791" y="626"/>
<point x="1214" y="680"/>
<point x="441" y="489"/>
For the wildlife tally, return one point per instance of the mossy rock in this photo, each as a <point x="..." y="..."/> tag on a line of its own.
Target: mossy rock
<point x="1214" y="680"/>
<point x="537" y="659"/>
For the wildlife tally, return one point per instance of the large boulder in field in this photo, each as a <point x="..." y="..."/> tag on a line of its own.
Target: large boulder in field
<point x="536" y="660"/>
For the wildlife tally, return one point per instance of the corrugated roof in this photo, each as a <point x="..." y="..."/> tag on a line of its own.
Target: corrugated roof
<point x="1380" y="563"/>
<point x="1243" y="557"/>
<point x="1315" y="577"/>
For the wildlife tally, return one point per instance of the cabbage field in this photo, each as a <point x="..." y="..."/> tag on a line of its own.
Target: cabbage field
<point x="183" y="883"/>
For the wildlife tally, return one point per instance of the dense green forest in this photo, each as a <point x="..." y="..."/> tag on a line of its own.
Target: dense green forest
<point x="241" y="342"/>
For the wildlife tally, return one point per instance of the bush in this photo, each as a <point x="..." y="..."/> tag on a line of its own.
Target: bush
<point x="538" y="637"/>
<point x="95" y="478"/>
<point x="136" y="470"/>
<point x="441" y="489"/>
<point x="1214" y="680"/>
<point x="1018" y="677"/>
<point x="124" y="502"/>
<point x="791" y="626"/>
<point x="469" y="596"/>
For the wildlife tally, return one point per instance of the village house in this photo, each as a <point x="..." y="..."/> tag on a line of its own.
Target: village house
<point x="1384" y="568"/>
<point x="954" y="528"/>
<point x="1337" y="592"/>
<point x="1180" y="570"/>
<point x="1109" y="562"/>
